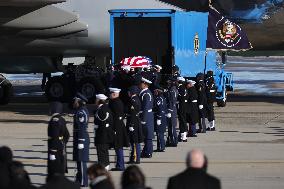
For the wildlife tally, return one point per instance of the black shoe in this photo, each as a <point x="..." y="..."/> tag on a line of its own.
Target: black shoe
<point x="198" y="131"/>
<point x="213" y="129"/>
<point x="193" y="136"/>
<point x="146" y="156"/>
<point x="130" y="162"/>
<point x="137" y="162"/>
<point x="158" y="150"/>
<point x="117" y="169"/>
<point x="208" y="129"/>
<point x="184" y="140"/>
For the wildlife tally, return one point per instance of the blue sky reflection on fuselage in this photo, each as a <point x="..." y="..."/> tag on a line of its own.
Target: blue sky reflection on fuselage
<point x="258" y="13"/>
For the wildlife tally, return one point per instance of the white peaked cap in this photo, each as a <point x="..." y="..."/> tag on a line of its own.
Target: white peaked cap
<point x="126" y="68"/>
<point x="114" y="90"/>
<point x="158" y="66"/>
<point x="101" y="97"/>
<point x="146" y="80"/>
<point x="181" y="79"/>
<point x="191" y="81"/>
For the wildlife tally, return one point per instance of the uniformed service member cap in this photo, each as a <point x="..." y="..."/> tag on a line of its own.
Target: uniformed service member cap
<point x="81" y="97"/>
<point x="144" y="80"/>
<point x="181" y="79"/>
<point x="114" y="90"/>
<point x="101" y="97"/>
<point x="190" y="81"/>
<point x="158" y="67"/>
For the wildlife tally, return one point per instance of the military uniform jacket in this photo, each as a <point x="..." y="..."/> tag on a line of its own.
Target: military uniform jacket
<point x="147" y="116"/>
<point x="58" y="134"/>
<point x="120" y="133"/>
<point x="133" y="120"/>
<point x="182" y="99"/>
<point x="172" y="95"/>
<point x="160" y="113"/>
<point x="211" y="91"/>
<point x="193" y="105"/>
<point x="201" y="91"/>
<point x="104" y="123"/>
<point x="81" y="135"/>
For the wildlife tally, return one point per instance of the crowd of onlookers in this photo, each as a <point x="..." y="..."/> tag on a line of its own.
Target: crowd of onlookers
<point x="14" y="176"/>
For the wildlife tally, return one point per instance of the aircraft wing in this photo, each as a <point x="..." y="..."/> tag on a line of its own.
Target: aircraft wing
<point x="37" y="19"/>
<point x="28" y="3"/>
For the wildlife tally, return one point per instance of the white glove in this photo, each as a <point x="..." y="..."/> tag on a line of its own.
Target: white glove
<point x="131" y="129"/>
<point x="169" y="115"/>
<point x="200" y="107"/>
<point x="52" y="157"/>
<point x="80" y="146"/>
<point x="159" y="122"/>
<point x="143" y="123"/>
<point x="96" y="126"/>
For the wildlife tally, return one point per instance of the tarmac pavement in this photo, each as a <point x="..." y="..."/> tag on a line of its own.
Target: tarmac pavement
<point x="246" y="151"/>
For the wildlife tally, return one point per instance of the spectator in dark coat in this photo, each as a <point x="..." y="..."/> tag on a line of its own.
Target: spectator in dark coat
<point x="133" y="178"/>
<point x="6" y="157"/>
<point x="58" y="181"/>
<point x="195" y="175"/>
<point x="99" y="177"/>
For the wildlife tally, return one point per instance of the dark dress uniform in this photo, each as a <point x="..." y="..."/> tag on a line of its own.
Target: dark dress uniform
<point x="58" y="136"/>
<point x="194" y="178"/>
<point x="134" y="128"/>
<point x="211" y="98"/>
<point x="81" y="144"/>
<point x="160" y="121"/>
<point x="202" y="103"/>
<point x="182" y="111"/>
<point x="104" y="135"/>
<point x="193" y="112"/>
<point x="121" y="136"/>
<point x="147" y="120"/>
<point x="172" y="95"/>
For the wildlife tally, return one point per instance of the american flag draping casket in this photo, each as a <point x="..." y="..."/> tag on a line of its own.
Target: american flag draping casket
<point x="136" y="62"/>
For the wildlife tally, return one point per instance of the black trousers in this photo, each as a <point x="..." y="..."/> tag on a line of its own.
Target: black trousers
<point x="57" y="165"/>
<point x="103" y="154"/>
<point x="210" y="112"/>
<point x="182" y="121"/>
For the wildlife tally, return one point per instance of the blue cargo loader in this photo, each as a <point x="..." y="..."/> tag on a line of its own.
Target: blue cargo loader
<point x="169" y="38"/>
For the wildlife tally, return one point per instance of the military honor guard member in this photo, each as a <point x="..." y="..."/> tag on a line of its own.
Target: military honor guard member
<point x="104" y="134"/>
<point x="81" y="140"/>
<point x="202" y="101"/>
<point x="120" y="133"/>
<point x="134" y="126"/>
<point x="193" y="110"/>
<point x="182" y="109"/>
<point x="171" y="95"/>
<point x="58" y="136"/>
<point x="211" y="90"/>
<point x="147" y="117"/>
<point x="160" y="107"/>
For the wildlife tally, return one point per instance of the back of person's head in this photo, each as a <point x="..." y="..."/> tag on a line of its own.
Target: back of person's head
<point x="133" y="176"/>
<point x="98" y="170"/>
<point x="56" y="107"/>
<point x="19" y="176"/>
<point x="6" y="155"/>
<point x="195" y="159"/>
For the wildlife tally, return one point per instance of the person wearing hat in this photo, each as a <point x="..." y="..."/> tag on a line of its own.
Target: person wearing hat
<point x="58" y="136"/>
<point x="182" y="109"/>
<point x="104" y="135"/>
<point x="160" y="118"/>
<point x="133" y="125"/>
<point x="147" y="117"/>
<point x="171" y="95"/>
<point x="211" y="90"/>
<point x="120" y="133"/>
<point x="202" y="101"/>
<point x="81" y="140"/>
<point x="192" y="113"/>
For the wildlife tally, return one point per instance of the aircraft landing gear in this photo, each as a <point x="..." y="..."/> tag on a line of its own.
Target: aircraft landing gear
<point x="6" y="90"/>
